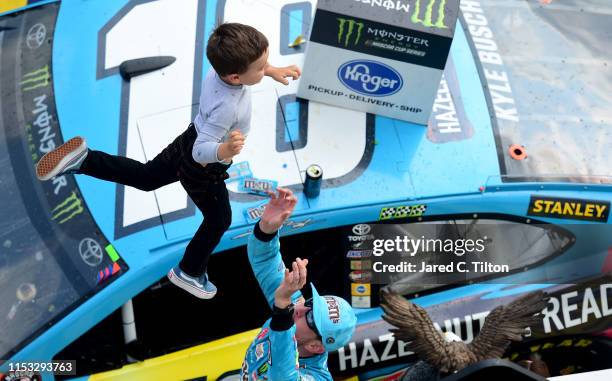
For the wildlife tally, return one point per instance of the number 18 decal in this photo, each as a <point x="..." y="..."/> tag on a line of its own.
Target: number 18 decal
<point x="158" y="106"/>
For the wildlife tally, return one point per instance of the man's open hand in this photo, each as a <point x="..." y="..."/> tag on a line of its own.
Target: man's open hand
<point x="293" y="281"/>
<point x="277" y="210"/>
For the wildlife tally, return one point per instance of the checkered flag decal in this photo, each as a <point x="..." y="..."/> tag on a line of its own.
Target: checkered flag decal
<point x="402" y="212"/>
<point x="386" y="213"/>
<point x="418" y="210"/>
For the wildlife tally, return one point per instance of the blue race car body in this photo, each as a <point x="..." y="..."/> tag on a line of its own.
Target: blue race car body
<point x="76" y="248"/>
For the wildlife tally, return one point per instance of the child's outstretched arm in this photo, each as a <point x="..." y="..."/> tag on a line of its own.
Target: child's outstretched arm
<point x="280" y="74"/>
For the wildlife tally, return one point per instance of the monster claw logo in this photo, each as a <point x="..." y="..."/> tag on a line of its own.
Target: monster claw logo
<point x="427" y="20"/>
<point x="350" y="26"/>
<point x="36" y="79"/>
<point x="69" y="208"/>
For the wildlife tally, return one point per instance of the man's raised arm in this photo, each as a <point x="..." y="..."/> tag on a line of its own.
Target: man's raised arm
<point x="264" y="246"/>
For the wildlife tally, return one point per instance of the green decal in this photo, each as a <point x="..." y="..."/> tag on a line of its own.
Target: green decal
<point x="427" y="20"/>
<point x="350" y="26"/>
<point x="36" y="79"/>
<point x="390" y="213"/>
<point x="69" y="208"/>
<point x="112" y="253"/>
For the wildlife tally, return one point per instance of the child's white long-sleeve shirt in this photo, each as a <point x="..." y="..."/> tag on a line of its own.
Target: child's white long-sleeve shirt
<point x="223" y="109"/>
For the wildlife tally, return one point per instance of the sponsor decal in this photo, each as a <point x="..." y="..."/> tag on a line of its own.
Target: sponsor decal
<point x="395" y="5"/>
<point x="579" y="309"/>
<point x="388" y="36"/>
<point x="43" y="124"/>
<point x="429" y="13"/>
<point x="562" y="343"/>
<point x="361" y="289"/>
<point x="571" y="309"/>
<point x="238" y="171"/>
<point x="449" y="120"/>
<point x="385" y="348"/>
<point x="360" y="238"/>
<point x="259" y="351"/>
<point x="572" y="209"/>
<point x="364" y="264"/>
<point x="112" y="253"/>
<point x="253" y="214"/>
<point x="262" y="334"/>
<point x="363" y="99"/>
<point x="424" y="13"/>
<point x="263" y="369"/>
<point x="360" y="276"/>
<point x="359" y="253"/>
<point x="358" y="245"/>
<point x="36" y="79"/>
<point x="374" y="38"/>
<point x="497" y="78"/>
<point x="294" y="225"/>
<point x="346" y="27"/>
<point x="36" y="36"/>
<point x="370" y="78"/>
<point x="91" y="252"/>
<point x="362" y="229"/>
<point x="259" y="187"/>
<point x="108" y="272"/>
<point x="333" y="310"/>
<point x="361" y="301"/>
<point x="67" y="209"/>
<point x="404" y="211"/>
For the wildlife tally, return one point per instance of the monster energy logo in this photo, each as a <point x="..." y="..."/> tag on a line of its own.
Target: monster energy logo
<point x="350" y="28"/>
<point x="69" y="208"/>
<point x="427" y="20"/>
<point x="36" y="79"/>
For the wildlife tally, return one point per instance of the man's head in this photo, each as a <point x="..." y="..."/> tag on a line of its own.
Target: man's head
<point x="323" y="323"/>
<point x="238" y="53"/>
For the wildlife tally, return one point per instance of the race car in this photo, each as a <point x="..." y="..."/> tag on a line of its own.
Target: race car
<point x="516" y="149"/>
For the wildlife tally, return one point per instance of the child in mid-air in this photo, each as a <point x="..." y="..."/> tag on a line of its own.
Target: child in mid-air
<point x="200" y="156"/>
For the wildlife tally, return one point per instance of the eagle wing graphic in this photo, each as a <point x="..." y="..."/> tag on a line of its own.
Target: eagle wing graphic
<point x="506" y="324"/>
<point x="414" y="325"/>
<point x="503" y="325"/>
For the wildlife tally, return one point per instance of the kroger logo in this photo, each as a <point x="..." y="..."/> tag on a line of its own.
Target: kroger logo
<point x="370" y="78"/>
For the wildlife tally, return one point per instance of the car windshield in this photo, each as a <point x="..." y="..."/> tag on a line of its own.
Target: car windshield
<point x="52" y="254"/>
<point x="547" y="70"/>
<point x="520" y="246"/>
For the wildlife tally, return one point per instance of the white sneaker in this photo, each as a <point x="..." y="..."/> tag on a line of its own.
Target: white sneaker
<point x="194" y="286"/>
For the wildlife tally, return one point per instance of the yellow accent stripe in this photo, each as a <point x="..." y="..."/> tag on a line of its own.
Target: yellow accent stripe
<point x="210" y="360"/>
<point x="7" y="5"/>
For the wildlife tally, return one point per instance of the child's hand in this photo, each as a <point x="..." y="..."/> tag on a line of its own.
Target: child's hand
<point x="232" y="147"/>
<point x="293" y="281"/>
<point x="280" y="74"/>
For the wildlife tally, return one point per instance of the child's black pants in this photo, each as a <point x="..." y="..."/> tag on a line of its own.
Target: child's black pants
<point x="204" y="185"/>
